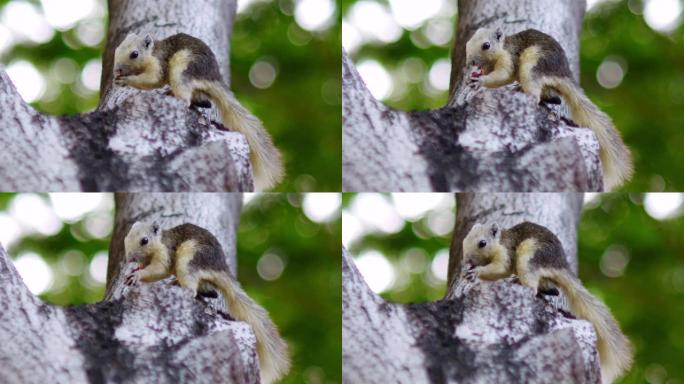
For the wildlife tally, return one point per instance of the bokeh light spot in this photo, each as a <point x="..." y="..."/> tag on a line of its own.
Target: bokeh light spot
<point x="314" y="15"/>
<point x="90" y="77"/>
<point x="63" y="16"/>
<point x="98" y="267"/>
<point x="34" y="214"/>
<point x="72" y="206"/>
<point x="610" y="73"/>
<point x="662" y="206"/>
<point x="29" y="82"/>
<point x="410" y="14"/>
<point x="35" y="272"/>
<point x="262" y="74"/>
<point x="376" y="270"/>
<point x="440" y="72"/>
<point x="322" y="207"/>
<point x="376" y="212"/>
<point x="270" y="266"/>
<point x="376" y="77"/>
<point x="663" y="15"/>
<point x="440" y="264"/>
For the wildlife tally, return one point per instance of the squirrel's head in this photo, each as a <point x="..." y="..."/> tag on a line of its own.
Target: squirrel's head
<point x="141" y="241"/>
<point x="129" y="56"/>
<point x="479" y="244"/>
<point x="482" y="49"/>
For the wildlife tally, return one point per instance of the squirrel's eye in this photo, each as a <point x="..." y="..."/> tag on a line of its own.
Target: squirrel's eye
<point x="482" y="244"/>
<point x="485" y="46"/>
<point x="144" y="241"/>
<point x="134" y="54"/>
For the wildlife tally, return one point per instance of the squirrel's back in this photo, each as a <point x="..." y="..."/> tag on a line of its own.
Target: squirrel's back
<point x="208" y="250"/>
<point x="548" y="248"/>
<point x="202" y="65"/>
<point x="551" y="61"/>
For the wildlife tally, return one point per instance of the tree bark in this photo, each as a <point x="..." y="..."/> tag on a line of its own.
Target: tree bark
<point x="483" y="139"/>
<point x="135" y="140"/>
<point x="149" y="333"/>
<point x="481" y="332"/>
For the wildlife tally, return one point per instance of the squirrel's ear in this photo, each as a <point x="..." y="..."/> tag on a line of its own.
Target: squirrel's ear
<point x="148" y="41"/>
<point x="499" y="33"/>
<point x="155" y="227"/>
<point x="494" y="230"/>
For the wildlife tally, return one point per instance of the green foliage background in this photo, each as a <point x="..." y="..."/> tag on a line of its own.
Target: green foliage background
<point x="646" y="300"/>
<point x="304" y="301"/>
<point x="301" y="109"/>
<point x="650" y="98"/>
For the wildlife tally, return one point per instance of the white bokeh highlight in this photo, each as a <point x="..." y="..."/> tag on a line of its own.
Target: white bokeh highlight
<point x="322" y="207"/>
<point x="29" y="82"/>
<point x="663" y="206"/>
<point x="663" y="15"/>
<point x="376" y="270"/>
<point x="35" y="272"/>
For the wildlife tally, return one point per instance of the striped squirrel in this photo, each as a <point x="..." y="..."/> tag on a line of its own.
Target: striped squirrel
<point x="195" y="257"/>
<point x="536" y="256"/>
<point x="538" y="62"/>
<point x="189" y="67"/>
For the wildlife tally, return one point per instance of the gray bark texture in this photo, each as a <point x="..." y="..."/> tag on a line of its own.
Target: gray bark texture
<point x="480" y="332"/>
<point x="135" y="140"/>
<point x="485" y="140"/>
<point x="148" y="333"/>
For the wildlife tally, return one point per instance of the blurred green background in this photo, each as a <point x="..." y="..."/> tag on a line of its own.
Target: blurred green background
<point x="285" y="68"/>
<point x="288" y="261"/>
<point x="631" y="59"/>
<point x="631" y="256"/>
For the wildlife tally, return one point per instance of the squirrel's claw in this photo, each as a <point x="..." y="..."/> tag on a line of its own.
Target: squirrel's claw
<point x="133" y="278"/>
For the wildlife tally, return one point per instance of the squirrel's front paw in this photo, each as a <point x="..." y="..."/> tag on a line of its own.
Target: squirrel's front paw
<point x="133" y="278"/>
<point x="475" y="77"/>
<point x="474" y="82"/>
<point x="471" y="273"/>
<point x="120" y="81"/>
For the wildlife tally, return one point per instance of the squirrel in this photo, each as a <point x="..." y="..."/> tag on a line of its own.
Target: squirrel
<point x="190" y="68"/>
<point x="196" y="258"/>
<point x="539" y="64"/>
<point x="536" y="256"/>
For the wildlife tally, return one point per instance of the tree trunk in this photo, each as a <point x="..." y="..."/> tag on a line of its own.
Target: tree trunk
<point x="149" y="333"/>
<point x="484" y="139"/>
<point x="481" y="332"/>
<point x="135" y="140"/>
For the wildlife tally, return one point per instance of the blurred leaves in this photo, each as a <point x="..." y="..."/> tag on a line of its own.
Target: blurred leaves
<point x="306" y="300"/>
<point x="302" y="107"/>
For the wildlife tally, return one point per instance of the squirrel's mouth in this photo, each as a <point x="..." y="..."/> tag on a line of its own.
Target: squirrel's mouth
<point x="125" y="71"/>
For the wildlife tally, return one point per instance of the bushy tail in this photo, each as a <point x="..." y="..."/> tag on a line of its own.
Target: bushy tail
<point x="615" y="156"/>
<point x="615" y="351"/>
<point x="266" y="162"/>
<point x="274" y="361"/>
